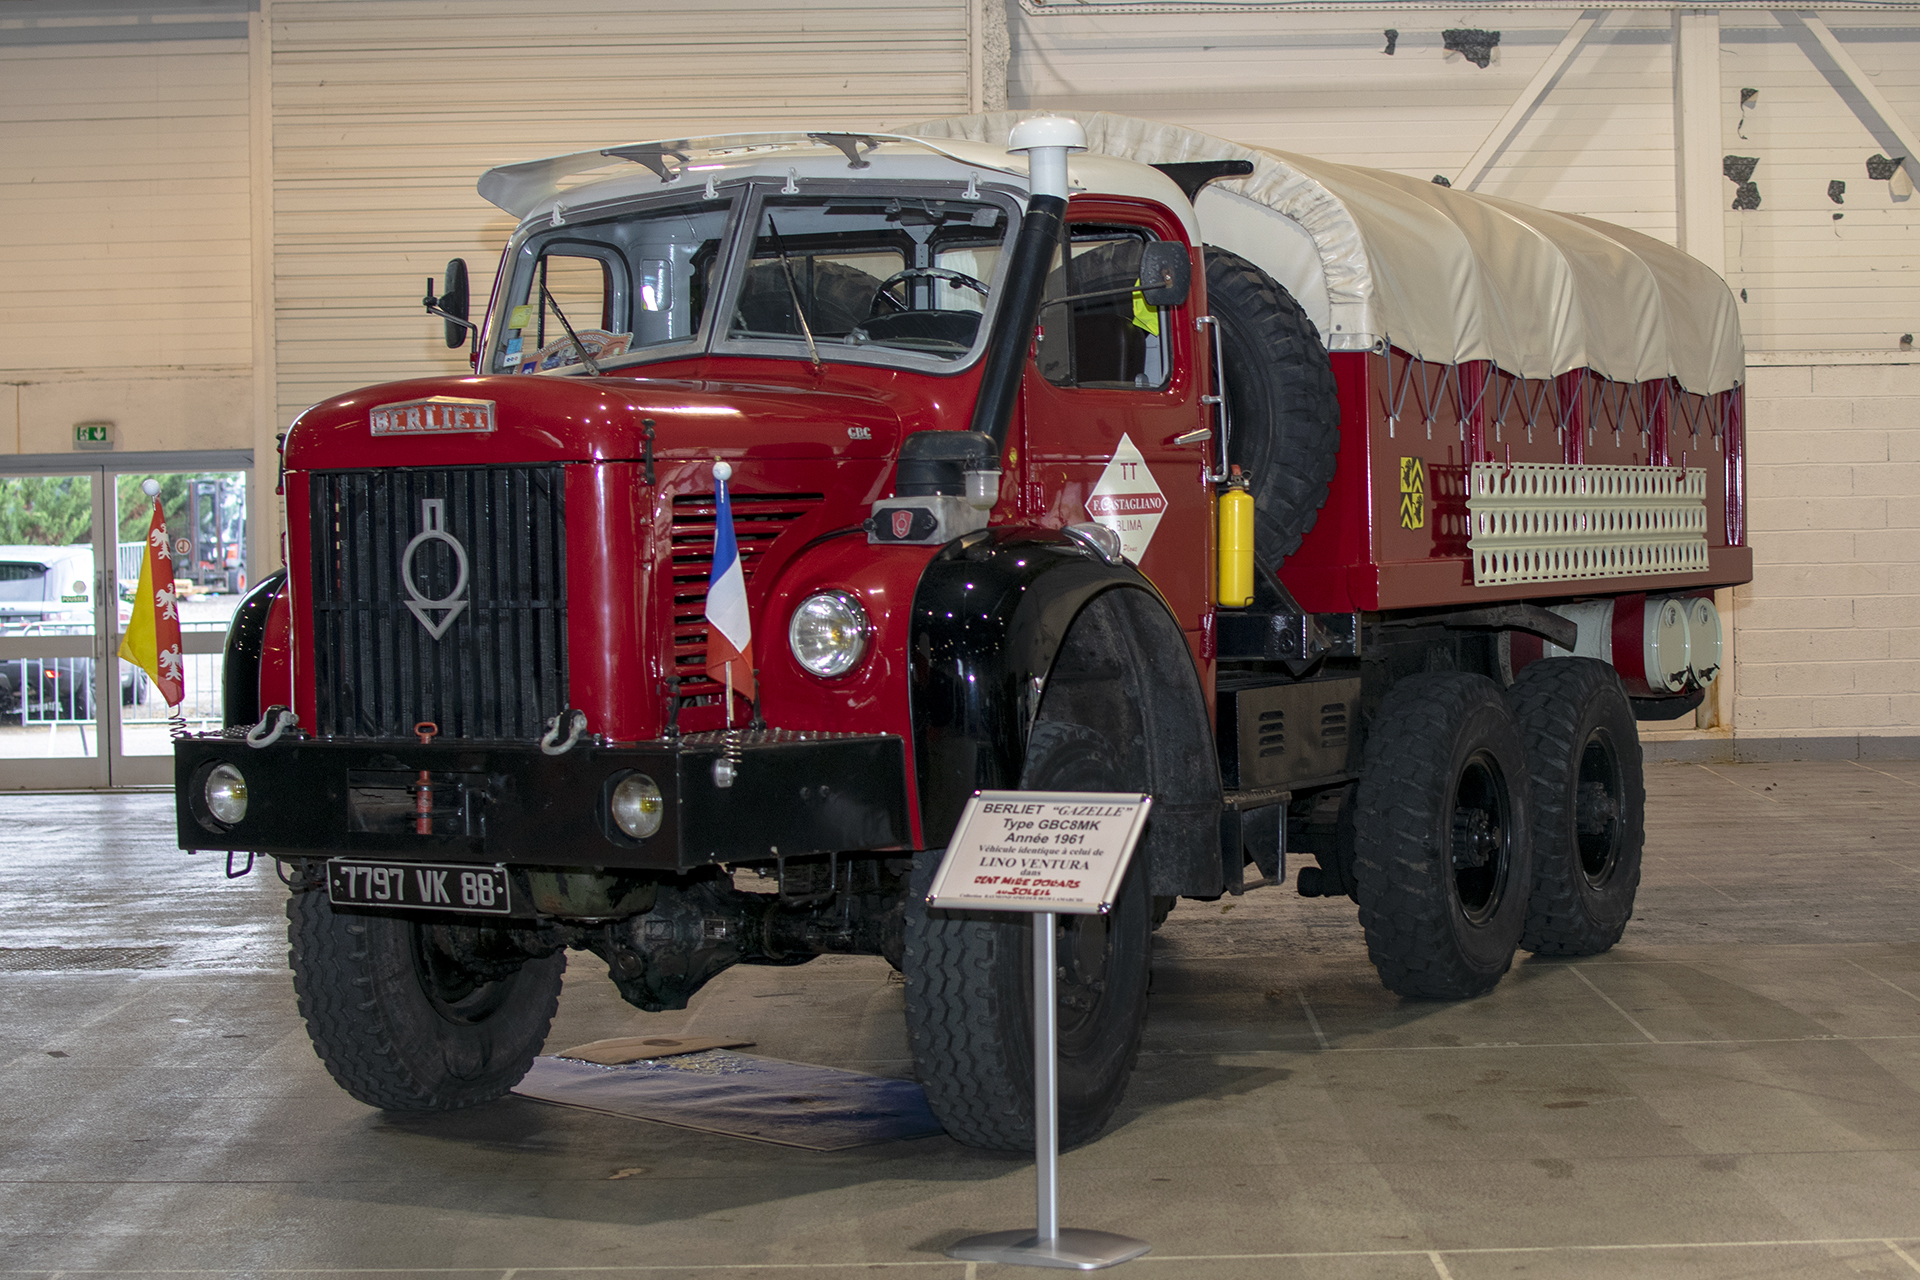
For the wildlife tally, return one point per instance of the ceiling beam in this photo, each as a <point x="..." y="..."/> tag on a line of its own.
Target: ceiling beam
<point x="1529" y="98"/>
<point x="1905" y="136"/>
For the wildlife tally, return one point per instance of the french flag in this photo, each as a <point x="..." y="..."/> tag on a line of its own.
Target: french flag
<point x="730" y="638"/>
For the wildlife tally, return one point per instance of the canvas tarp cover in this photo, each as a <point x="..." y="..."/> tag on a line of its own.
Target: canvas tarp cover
<point x="1450" y="275"/>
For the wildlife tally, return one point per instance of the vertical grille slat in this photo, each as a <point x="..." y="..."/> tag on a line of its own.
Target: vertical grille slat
<point x="500" y="669"/>
<point x="759" y="519"/>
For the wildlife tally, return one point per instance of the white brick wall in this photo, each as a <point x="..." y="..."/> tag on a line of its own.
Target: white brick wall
<point x="1827" y="636"/>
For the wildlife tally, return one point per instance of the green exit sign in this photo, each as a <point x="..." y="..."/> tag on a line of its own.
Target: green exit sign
<point x="93" y="435"/>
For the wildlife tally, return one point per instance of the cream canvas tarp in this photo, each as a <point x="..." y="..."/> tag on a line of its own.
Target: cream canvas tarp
<point x="1445" y="275"/>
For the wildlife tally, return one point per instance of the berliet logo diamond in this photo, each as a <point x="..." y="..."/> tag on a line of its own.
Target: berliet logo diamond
<point x="1128" y="500"/>
<point x="433" y="512"/>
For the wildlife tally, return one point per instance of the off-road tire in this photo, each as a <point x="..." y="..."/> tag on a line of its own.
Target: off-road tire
<point x="1282" y="405"/>
<point x="1442" y="749"/>
<point x="970" y="984"/>
<point x="1589" y="804"/>
<point x="385" y="1036"/>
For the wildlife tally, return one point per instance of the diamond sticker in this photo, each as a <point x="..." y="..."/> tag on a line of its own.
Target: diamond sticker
<point x="1128" y="500"/>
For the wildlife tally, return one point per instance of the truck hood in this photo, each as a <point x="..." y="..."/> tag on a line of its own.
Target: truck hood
<point x="429" y="422"/>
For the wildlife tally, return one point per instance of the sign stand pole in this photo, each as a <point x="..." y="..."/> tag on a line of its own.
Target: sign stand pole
<point x="1048" y="1246"/>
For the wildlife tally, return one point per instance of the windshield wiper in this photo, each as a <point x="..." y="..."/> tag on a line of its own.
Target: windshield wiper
<point x="793" y="291"/>
<point x="573" y="337"/>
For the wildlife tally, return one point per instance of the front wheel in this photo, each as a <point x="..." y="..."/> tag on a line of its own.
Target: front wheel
<point x="970" y="987"/>
<point x="1442" y="845"/>
<point x="409" y="1015"/>
<point x="1589" y="800"/>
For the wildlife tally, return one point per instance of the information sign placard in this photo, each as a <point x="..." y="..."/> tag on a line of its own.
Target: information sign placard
<point x="1063" y="851"/>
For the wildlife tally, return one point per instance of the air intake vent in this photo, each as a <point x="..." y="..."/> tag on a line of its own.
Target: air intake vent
<point x="758" y="521"/>
<point x="1333" y="726"/>
<point x="1273" y="733"/>
<point x="498" y="668"/>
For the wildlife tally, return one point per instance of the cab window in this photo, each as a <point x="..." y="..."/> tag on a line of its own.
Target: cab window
<point x="637" y="280"/>
<point x="1095" y="329"/>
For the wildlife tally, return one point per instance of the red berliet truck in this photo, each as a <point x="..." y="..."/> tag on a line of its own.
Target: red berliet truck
<point x="1356" y="519"/>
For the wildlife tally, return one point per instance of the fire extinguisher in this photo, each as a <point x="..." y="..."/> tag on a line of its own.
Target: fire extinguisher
<point x="1235" y="590"/>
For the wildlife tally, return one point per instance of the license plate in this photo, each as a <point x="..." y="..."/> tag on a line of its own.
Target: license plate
<point x="418" y="886"/>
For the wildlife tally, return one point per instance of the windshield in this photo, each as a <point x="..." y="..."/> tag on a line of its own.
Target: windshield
<point x="906" y="273"/>
<point x="820" y="275"/>
<point x="639" y="280"/>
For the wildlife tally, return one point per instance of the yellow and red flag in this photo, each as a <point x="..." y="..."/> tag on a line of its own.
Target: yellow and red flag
<point x="152" y="642"/>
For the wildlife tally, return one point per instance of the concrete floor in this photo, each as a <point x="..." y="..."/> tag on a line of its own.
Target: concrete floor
<point x="1733" y="1091"/>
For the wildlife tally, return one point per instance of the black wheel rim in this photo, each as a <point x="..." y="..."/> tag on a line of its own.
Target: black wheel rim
<point x="454" y="990"/>
<point x="1598" y="802"/>
<point x="1482" y="837"/>
<point x="1083" y="954"/>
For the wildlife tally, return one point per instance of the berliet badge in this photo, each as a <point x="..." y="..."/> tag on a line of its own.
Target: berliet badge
<point x="433" y="512"/>
<point x="435" y="415"/>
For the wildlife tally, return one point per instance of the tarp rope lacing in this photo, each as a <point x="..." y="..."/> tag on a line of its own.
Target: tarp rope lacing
<point x="1395" y="399"/>
<point x="1694" y="409"/>
<point x="1433" y="396"/>
<point x="1567" y="407"/>
<point x="1460" y="394"/>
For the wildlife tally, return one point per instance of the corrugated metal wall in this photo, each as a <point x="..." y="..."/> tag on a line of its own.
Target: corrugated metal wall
<point x="385" y="112"/>
<point x="124" y="199"/>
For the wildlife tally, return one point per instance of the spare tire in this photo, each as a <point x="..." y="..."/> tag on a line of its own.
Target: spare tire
<point x="1282" y="408"/>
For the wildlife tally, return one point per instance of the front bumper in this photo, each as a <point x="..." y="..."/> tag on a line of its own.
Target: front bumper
<point x="507" y="803"/>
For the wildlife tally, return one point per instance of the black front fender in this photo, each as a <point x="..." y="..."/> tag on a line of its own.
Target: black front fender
<point x="989" y="616"/>
<point x="246" y="638"/>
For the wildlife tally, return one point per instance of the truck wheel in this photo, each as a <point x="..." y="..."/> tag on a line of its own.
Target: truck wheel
<point x="1282" y="406"/>
<point x="1441" y="837"/>
<point x="1589" y="804"/>
<point x="970" y="987"/>
<point x="405" y="1024"/>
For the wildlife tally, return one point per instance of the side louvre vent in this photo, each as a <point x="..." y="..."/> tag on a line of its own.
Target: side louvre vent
<point x="498" y="669"/>
<point x="1333" y="726"/>
<point x="1273" y="733"/>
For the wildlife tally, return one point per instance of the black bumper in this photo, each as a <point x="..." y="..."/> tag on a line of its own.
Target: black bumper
<point x="508" y="803"/>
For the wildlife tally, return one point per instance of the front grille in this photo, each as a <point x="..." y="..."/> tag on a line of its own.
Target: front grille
<point x="758" y="519"/>
<point x="499" y="667"/>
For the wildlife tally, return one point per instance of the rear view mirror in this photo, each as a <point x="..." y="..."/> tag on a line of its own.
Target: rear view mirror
<point x="1166" y="273"/>
<point x="452" y="304"/>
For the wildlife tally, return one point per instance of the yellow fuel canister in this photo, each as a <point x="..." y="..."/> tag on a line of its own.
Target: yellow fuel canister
<point x="1235" y="587"/>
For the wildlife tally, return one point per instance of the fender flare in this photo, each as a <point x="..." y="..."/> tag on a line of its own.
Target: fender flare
<point x="990" y="616"/>
<point x="240" y="659"/>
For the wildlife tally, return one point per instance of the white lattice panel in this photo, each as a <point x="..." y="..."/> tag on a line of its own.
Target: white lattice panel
<point x="1551" y="522"/>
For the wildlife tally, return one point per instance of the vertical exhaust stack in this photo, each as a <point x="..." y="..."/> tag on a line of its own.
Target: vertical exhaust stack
<point x="1046" y="140"/>
<point x="947" y="481"/>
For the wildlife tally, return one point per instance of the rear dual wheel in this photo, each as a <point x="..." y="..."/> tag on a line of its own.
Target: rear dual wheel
<point x="1442" y="837"/>
<point x="1589" y="804"/>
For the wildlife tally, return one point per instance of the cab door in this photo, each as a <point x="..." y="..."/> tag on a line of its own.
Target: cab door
<point x="1114" y="425"/>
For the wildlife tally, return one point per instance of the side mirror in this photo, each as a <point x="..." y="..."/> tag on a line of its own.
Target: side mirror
<point x="453" y="302"/>
<point x="1166" y="273"/>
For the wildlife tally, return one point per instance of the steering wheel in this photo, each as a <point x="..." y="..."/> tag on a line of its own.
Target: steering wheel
<point x="932" y="273"/>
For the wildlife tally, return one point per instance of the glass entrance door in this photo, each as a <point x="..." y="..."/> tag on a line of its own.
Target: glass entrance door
<point x="206" y="517"/>
<point x="73" y="714"/>
<point x="54" y="595"/>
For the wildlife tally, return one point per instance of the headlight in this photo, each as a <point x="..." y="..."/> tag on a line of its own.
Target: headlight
<point x="637" y="806"/>
<point x="225" y="791"/>
<point x="828" y="633"/>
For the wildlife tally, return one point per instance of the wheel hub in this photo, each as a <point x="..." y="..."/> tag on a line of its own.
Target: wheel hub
<point x="1475" y="838"/>
<point x="1598" y="806"/>
<point x="1480" y="826"/>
